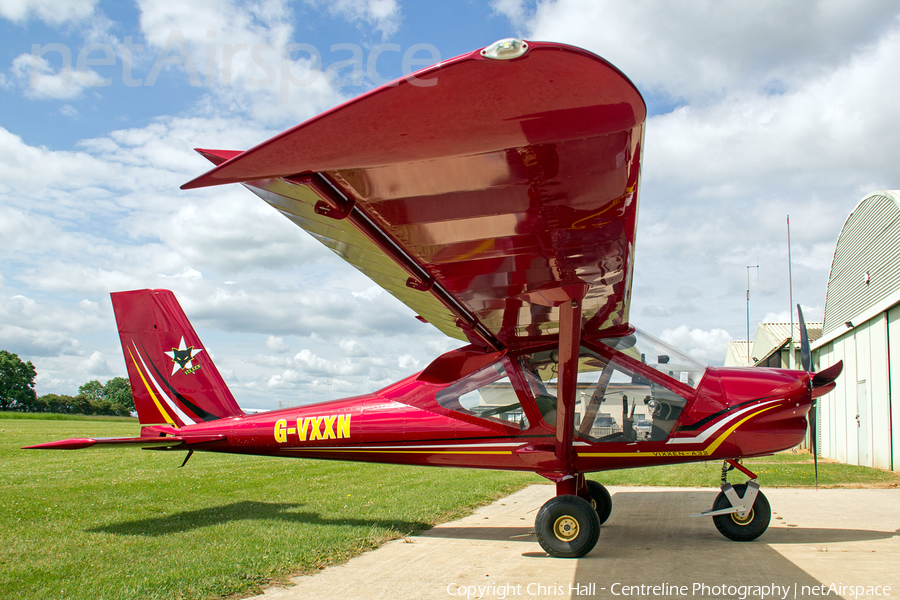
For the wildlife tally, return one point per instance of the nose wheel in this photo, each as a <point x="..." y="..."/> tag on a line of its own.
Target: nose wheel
<point x="742" y="526"/>
<point x="741" y="512"/>
<point x="567" y="527"/>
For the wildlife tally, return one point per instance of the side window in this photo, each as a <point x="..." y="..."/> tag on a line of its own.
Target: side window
<point x="613" y="403"/>
<point x="622" y="406"/>
<point x="541" y="370"/>
<point x="487" y="394"/>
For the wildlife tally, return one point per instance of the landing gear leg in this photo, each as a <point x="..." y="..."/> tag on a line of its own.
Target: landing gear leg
<point x="740" y="512"/>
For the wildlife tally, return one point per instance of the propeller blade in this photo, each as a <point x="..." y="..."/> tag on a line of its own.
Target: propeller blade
<point x="805" y="358"/>
<point x="827" y="376"/>
<point x="806" y="363"/>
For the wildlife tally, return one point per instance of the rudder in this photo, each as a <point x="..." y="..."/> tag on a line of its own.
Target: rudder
<point x="173" y="379"/>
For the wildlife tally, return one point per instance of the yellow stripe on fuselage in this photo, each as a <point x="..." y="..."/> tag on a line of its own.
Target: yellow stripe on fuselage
<point x="150" y="391"/>
<point x="705" y="452"/>
<point x="637" y="453"/>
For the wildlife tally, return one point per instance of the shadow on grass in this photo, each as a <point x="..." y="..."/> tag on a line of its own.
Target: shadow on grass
<point x="243" y="511"/>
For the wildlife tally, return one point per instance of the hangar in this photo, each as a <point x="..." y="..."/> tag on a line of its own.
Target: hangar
<point x="858" y="423"/>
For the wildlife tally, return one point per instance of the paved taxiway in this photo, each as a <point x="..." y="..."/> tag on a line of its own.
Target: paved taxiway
<point x="840" y="537"/>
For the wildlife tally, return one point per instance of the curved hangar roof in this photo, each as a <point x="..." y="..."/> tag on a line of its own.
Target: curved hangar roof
<point x="865" y="269"/>
<point x="482" y="193"/>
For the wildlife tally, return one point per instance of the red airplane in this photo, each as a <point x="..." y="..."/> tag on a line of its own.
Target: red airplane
<point x="496" y="194"/>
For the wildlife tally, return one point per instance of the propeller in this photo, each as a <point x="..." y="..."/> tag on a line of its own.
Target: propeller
<point x="821" y="384"/>
<point x="805" y="358"/>
<point x="806" y="363"/>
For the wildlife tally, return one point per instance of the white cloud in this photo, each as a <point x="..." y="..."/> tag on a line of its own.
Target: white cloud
<point x="95" y="365"/>
<point x="277" y="344"/>
<point x="245" y="56"/>
<point x="38" y="329"/>
<point x="32" y="169"/>
<point x="811" y="314"/>
<point x="704" y="49"/>
<point x="370" y="293"/>
<point x="40" y="80"/>
<point x="352" y="348"/>
<point x="707" y="346"/>
<point x="382" y="15"/>
<point x="408" y="363"/>
<point x="514" y="10"/>
<point x="52" y="12"/>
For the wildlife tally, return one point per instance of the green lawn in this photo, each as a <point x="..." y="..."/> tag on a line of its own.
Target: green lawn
<point x="781" y="470"/>
<point x="125" y="523"/>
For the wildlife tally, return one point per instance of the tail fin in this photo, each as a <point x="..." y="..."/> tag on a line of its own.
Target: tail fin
<point x="173" y="378"/>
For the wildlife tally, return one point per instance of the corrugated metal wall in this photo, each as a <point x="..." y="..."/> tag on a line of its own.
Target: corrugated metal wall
<point x="858" y="424"/>
<point x="860" y="419"/>
<point x="893" y="360"/>
<point x="869" y="242"/>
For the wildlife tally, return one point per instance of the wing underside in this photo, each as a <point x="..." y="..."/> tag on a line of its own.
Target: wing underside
<point x="483" y="200"/>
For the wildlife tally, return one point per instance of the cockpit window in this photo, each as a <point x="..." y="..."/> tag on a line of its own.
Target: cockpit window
<point x="488" y="394"/>
<point x="655" y="353"/>
<point x="613" y="403"/>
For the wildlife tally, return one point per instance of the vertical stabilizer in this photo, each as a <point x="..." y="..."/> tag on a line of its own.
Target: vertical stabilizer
<point x="173" y="378"/>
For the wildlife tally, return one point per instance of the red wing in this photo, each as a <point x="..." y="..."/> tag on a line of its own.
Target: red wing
<point x="479" y="192"/>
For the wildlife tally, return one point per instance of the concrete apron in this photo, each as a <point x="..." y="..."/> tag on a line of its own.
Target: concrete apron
<point x="830" y="543"/>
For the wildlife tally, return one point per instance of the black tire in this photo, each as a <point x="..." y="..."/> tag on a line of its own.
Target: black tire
<point x="567" y="527"/>
<point x="743" y="530"/>
<point x="600" y="500"/>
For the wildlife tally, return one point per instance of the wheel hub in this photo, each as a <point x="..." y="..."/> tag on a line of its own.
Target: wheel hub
<point x="742" y="521"/>
<point x="565" y="528"/>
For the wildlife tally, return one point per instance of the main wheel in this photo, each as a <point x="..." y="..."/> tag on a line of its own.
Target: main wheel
<point x="567" y="527"/>
<point x="600" y="500"/>
<point x="750" y="527"/>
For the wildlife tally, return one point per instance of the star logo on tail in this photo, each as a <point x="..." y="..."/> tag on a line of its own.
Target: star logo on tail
<point x="182" y="357"/>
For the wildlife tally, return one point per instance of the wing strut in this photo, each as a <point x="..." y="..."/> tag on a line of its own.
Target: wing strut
<point x="569" y="343"/>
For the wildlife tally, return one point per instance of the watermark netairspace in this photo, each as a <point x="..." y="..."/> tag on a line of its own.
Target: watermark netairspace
<point x="698" y="590"/>
<point x="213" y="63"/>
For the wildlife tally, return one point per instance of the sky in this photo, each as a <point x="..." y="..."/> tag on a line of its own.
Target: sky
<point x="757" y="111"/>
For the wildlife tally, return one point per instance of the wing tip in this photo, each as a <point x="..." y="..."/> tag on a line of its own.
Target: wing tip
<point x="216" y="157"/>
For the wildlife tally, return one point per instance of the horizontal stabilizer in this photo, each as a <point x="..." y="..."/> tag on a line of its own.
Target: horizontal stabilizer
<point x="165" y="442"/>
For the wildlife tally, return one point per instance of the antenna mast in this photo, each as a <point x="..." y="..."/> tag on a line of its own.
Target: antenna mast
<point x="756" y="266"/>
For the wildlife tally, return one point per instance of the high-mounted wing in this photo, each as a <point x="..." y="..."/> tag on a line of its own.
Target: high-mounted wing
<point x="482" y="193"/>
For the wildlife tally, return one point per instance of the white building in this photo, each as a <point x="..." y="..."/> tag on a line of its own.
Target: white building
<point x="737" y="353"/>
<point x="770" y="346"/>
<point x="859" y="422"/>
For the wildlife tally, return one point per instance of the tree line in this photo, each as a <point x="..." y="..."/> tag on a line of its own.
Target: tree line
<point x="93" y="398"/>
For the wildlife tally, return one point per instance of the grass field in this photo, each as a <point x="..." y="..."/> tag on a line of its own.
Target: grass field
<point x="125" y="523"/>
